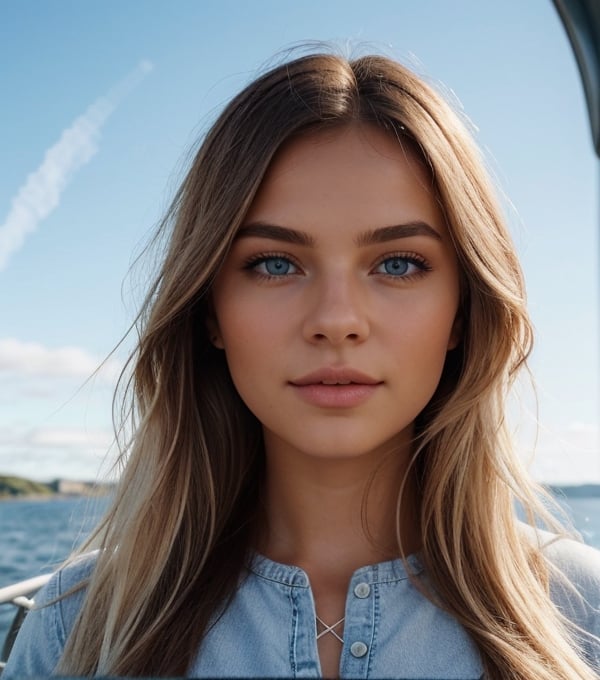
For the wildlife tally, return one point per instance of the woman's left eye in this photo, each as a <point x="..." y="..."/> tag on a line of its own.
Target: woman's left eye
<point x="401" y="266"/>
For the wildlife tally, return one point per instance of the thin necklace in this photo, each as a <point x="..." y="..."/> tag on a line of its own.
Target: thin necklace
<point x="330" y="629"/>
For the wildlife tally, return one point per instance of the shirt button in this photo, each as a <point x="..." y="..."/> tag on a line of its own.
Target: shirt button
<point x="362" y="590"/>
<point x="358" y="649"/>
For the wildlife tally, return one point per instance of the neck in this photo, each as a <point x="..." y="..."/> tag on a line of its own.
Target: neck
<point x="332" y="516"/>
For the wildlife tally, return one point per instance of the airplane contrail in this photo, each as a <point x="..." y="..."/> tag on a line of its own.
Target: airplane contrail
<point x="78" y="144"/>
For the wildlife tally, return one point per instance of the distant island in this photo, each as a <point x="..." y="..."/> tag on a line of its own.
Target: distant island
<point x="576" y="491"/>
<point x="20" y="487"/>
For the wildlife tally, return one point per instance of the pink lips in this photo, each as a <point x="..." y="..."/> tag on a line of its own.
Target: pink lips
<point x="335" y="387"/>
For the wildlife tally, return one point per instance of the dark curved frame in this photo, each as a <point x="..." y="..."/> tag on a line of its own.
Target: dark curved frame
<point x="581" y="19"/>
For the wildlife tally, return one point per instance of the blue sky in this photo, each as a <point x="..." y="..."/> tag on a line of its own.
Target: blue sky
<point x="101" y="103"/>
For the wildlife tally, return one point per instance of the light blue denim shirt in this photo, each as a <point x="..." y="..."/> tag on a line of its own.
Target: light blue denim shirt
<point x="391" y="630"/>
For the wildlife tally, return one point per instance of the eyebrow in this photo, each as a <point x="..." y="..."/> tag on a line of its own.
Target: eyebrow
<point x="396" y="231"/>
<point x="276" y="232"/>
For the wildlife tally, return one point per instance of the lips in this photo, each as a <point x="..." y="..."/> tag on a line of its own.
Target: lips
<point x="336" y="387"/>
<point x="335" y="376"/>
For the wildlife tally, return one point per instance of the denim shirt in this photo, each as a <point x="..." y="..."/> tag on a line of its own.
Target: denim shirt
<point x="391" y="630"/>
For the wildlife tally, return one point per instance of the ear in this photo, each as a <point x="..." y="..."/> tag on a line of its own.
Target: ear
<point x="214" y="332"/>
<point x="456" y="333"/>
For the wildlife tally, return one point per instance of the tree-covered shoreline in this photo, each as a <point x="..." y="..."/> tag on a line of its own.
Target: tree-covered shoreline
<point x="13" y="487"/>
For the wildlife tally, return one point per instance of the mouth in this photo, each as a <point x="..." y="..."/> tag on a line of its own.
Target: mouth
<point x="335" y="376"/>
<point x="336" y="388"/>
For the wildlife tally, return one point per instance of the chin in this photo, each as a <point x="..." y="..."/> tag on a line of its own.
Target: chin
<point x="347" y="448"/>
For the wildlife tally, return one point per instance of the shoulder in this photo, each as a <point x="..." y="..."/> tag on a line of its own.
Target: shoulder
<point x="572" y="561"/>
<point x="574" y="571"/>
<point x="42" y="638"/>
<point x="579" y="562"/>
<point x="75" y="573"/>
<point x="65" y="592"/>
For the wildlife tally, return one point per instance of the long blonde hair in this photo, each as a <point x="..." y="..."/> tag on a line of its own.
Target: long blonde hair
<point x="180" y="528"/>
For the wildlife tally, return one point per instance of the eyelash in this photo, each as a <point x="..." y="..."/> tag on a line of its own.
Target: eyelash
<point x="252" y="263"/>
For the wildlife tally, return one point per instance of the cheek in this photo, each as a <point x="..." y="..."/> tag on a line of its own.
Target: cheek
<point x="427" y="325"/>
<point x="250" y="331"/>
<point x="253" y="373"/>
<point x="251" y="338"/>
<point x="422" y="340"/>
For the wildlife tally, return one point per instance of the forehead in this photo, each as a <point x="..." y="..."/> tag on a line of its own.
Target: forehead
<point x="358" y="174"/>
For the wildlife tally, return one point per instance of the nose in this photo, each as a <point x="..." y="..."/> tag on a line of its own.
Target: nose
<point x="338" y="312"/>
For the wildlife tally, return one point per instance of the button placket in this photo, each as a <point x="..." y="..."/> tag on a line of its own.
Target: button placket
<point x="359" y="631"/>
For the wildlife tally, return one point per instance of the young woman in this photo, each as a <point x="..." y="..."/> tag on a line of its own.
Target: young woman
<point x="320" y="482"/>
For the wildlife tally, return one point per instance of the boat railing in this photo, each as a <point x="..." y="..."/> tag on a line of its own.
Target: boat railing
<point x="20" y="596"/>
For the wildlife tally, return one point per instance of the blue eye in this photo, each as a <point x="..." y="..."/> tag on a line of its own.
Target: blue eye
<point x="402" y="266"/>
<point x="275" y="266"/>
<point x="396" y="266"/>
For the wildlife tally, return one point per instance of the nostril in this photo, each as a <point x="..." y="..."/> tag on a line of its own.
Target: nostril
<point x="325" y="336"/>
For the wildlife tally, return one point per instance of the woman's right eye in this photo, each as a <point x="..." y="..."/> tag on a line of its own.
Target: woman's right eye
<point x="274" y="266"/>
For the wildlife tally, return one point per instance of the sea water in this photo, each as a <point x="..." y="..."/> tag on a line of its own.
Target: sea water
<point x="36" y="536"/>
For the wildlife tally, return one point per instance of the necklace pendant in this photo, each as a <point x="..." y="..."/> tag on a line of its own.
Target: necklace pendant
<point x="329" y="629"/>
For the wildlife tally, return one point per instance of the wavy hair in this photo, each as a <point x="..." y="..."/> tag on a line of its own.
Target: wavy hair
<point x="181" y="526"/>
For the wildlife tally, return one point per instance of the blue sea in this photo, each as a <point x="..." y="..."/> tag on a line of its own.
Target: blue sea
<point x="36" y="536"/>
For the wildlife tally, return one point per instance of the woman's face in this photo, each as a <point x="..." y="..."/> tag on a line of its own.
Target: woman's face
<point x="338" y="301"/>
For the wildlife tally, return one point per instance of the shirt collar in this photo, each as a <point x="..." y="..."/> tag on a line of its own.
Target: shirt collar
<point x="383" y="572"/>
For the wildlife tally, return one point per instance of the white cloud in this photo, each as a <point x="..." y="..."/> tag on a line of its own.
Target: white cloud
<point x="69" y="438"/>
<point x="56" y="452"/>
<point x="54" y="422"/>
<point x="33" y="359"/>
<point x="78" y="144"/>
<point x="569" y="456"/>
<point x="56" y="438"/>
